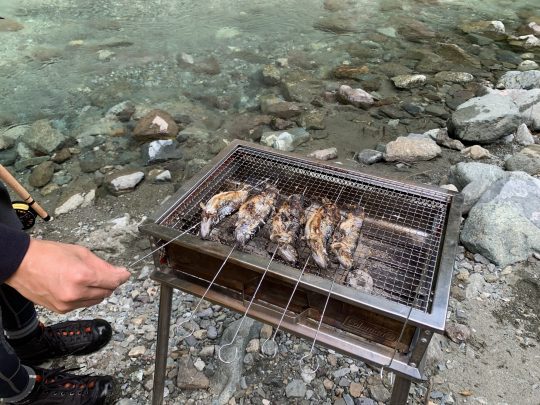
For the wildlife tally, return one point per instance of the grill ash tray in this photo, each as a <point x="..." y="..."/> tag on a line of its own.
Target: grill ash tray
<point x="407" y="247"/>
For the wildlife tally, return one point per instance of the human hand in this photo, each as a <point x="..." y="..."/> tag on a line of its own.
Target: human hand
<point x="63" y="277"/>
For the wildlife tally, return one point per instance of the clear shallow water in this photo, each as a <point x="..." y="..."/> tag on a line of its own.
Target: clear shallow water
<point x="58" y="63"/>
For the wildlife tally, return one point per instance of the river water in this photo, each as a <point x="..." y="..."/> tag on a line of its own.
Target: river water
<point x="71" y="54"/>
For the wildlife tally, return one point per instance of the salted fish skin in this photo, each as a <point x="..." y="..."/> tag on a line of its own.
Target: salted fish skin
<point x="286" y="223"/>
<point x="319" y="228"/>
<point x="254" y="213"/>
<point x="346" y="237"/>
<point x="221" y="205"/>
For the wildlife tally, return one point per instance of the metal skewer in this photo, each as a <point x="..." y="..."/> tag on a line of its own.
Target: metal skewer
<point x="204" y="295"/>
<point x="245" y="314"/>
<point x="274" y="344"/>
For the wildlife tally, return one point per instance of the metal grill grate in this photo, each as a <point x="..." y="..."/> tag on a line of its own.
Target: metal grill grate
<point x="401" y="236"/>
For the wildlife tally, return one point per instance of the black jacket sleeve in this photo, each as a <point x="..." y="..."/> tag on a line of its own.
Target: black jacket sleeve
<point x="13" y="247"/>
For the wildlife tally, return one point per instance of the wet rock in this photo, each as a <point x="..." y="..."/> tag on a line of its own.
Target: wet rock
<point x="369" y="156"/>
<point x="161" y="151"/>
<point x="41" y="174"/>
<point x="314" y="119"/>
<point x="409" y="81"/>
<point x="454" y="77"/>
<point x="10" y="136"/>
<point x="338" y="24"/>
<point x="350" y="72"/>
<point x="44" y="138"/>
<point x="437" y="110"/>
<point x="357" y="97"/>
<point x="443" y="139"/>
<point x="208" y="66"/>
<point x="455" y="54"/>
<point x="324" y="154"/>
<point x="525" y="42"/>
<point x="393" y="112"/>
<point x="122" y="111"/>
<point x="524" y="136"/>
<point x="61" y="156"/>
<point x="275" y="106"/>
<point x="416" y="31"/>
<point x="285" y="141"/>
<point x="405" y="149"/>
<point x="364" y="401"/>
<point x="295" y="389"/>
<point x="8" y="157"/>
<point x="155" y="125"/>
<point x="123" y="181"/>
<point x="526" y="160"/>
<point x="105" y="55"/>
<point x="457" y="333"/>
<point x="491" y="29"/>
<point x="336" y="5"/>
<point x="80" y="194"/>
<point x="476" y="152"/>
<point x="485" y="119"/>
<point x="300" y="87"/>
<point x="24" y="163"/>
<point x="271" y="75"/>
<point x="503" y="225"/>
<point x="91" y="161"/>
<point x="189" y="378"/>
<point x="520" y="80"/>
<point x="527" y="65"/>
<point x="7" y="25"/>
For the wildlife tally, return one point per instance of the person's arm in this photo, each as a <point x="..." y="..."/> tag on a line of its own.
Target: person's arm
<point x="13" y="246"/>
<point x="59" y="276"/>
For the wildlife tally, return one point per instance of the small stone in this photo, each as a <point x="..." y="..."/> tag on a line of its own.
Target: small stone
<point x="285" y="141"/>
<point x="7" y="25"/>
<point x="313" y="120"/>
<point x="454" y="77"/>
<point x="527" y="65"/>
<point x="526" y="160"/>
<point x="342" y="372"/>
<point x="155" y="125"/>
<point x="187" y="58"/>
<point x="207" y="351"/>
<point x="199" y="365"/>
<point x="332" y="360"/>
<point x="524" y="136"/>
<point x="350" y="72"/>
<point x="137" y="351"/>
<point x="105" y="55"/>
<point x="308" y="376"/>
<point x="409" y="81"/>
<point x="405" y="149"/>
<point x="253" y="346"/>
<point x="271" y="75"/>
<point x="443" y="139"/>
<point x="344" y="382"/>
<point x="450" y="187"/>
<point x="123" y="181"/>
<point x="211" y="332"/>
<point x="458" y="333"/>
<point x="324" y="154"/>
<point x="328" y="384"/>
<point x="476" y="152"/>
<point x="296" y="389"/>
<point x="491" y="278"/>
<point x="43" y="137"/>
<point x="266" y="332"/>
<point x="356" y="97"/>
<point x="200" y="334"/>
<point x="41" y="174"/>
<point x="356" y="389"/>
<point x="275" y="106"/>
<point x="189" y="377"/>
<point x="122" y="111"/>
<point x="369" y="156"/>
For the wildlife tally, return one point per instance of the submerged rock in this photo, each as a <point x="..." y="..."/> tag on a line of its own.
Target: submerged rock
<point x="43" y="137"/>
<point x="454" y="77"/>
<point x="7" y="25"/>
<point x="406" y="149"/>
<point x="491" y="29"/>
<point x="338" y="24"/>
<point x="157" y="124"/>
<point x="527" y="65"/>
<point x="350" y="72"/>
<point x="409" y="81"/>
<point x="271" y="75"/>
<point x="485" y="119"/>
<point x="357" y="97"/>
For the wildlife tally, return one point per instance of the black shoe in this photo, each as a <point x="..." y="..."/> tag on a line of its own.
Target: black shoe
<point x="63" y="339"/>
<point x="58" y="386"/>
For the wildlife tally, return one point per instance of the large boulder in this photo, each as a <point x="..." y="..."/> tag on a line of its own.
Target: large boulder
<point x="515" y="79"/>
<point x="527" y="160"/>
<point x="485" y="119"/>
<point x="504" y="225"/>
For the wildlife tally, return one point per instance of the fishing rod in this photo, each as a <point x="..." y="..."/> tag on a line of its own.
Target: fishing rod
<point x="28" y="208"/>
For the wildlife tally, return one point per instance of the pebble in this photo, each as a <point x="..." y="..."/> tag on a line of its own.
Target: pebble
<point x="253" y="346"/>
<point x="369" y="156"/>
<point x="356" y="389"/>
<point x="295" y="389"/>
<point x="211" y="332"/>
<point x="266" y="332"/>
<point x="524" y="136"/>
<point x="409" y="81"/>
<point x="458" y="333"/>
<point x="476" y="152"/>
<point x="328" y="384"/>
<point x="137" y="351"/>
<point x="341" y="372"/>
<point x="324" y="154"/>
<point x="199" y="365"/>
<point x="528" y="65"/>
<point x="356" y="97"/>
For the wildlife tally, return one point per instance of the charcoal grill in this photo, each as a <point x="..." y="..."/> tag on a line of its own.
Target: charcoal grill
<point x="407" y="246"/>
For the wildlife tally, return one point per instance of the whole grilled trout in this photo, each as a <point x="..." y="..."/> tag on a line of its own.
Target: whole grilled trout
<point x="320" y="226"/>
<point x="220" y="206"/>
<point x="286" y="223"/>
<point x="253" y="214"/>
<point x="346" y="237"/>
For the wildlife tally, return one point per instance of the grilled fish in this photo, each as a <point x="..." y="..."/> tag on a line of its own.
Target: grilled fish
<point x="220" y="206"/>
<point x="286" y="223"/>
<point x="319" y="228"/>
<point x="346" y="237"/>
<point x="253" y="214"/>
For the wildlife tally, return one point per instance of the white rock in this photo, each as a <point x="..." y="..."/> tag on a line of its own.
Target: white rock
<point x="524" y="136"/>
<point x="155" y="147"/>
<point x="127" y="182"/>
<point x="199" y="364"/>
<point x="528" y="65"/>
<point x="165" y="175"/>
<point x="408" y="81"/>
<point x="227" y="33"/>
<point x="105" y="55"/>
<point x="476" y="152"/>
<point x="530" y="41"/>
<point x="450" y="187"/>
<point x="324" y="154"/>
<point x="357" y="97"/>
<point x="186" y="58"/>
<point x="137" y="351"/>
<point x="76" y="201"/>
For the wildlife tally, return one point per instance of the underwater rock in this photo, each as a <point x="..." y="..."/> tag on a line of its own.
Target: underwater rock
<point x="409" y="81"/>
<point x="275" y="106"/>
<point x="350" y="72"/>
<point x="157" y="124"/>
<point x="7" y="25"/>
<point x="454" y="77"/>
<point x="357" y="97"/>
<point x="43" y="137"/>
<point x="271" y="75"/>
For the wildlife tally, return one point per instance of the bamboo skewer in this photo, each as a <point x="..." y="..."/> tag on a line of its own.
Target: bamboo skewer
<point x="10" y="181"/>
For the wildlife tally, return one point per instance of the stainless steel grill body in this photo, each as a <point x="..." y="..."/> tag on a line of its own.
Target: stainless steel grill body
<point x="407" y="246"/>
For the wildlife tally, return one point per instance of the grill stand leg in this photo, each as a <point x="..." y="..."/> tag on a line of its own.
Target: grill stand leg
<point x="400" y="391"/>
<point x="162" y="345"/>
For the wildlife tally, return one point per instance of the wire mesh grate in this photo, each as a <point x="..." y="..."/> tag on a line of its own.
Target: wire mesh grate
<point x="401" y="237"/>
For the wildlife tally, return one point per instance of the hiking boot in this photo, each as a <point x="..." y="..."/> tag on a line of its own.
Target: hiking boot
<point x="58" y="386"/>
<point x="63" y="339"/>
